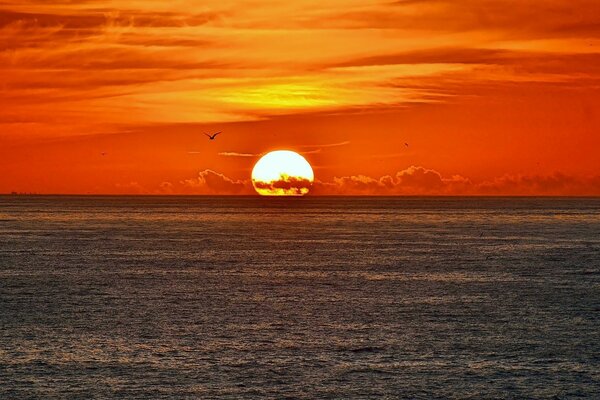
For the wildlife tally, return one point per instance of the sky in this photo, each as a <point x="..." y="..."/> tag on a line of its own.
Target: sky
<point x="406" y="97"/>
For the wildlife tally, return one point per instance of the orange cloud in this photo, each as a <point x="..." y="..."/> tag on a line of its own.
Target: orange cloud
<point x="411" y="181"/>
<point x="211" y="182"/>
<point x="289" y="185"/>
<point x="552" y="185"/>
<point x="108" y="62"/>
<point x="408" y="182"/>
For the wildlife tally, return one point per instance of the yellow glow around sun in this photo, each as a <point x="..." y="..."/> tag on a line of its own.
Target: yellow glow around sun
<point x="282" y="173"/>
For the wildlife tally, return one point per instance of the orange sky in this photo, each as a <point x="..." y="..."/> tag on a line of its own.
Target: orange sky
<point x="492" y="96"/>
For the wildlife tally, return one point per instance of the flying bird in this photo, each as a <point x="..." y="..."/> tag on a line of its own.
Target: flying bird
<point x="103" y="153"/>
<point x="406" y="144"/>
<point x="213" y="136"/>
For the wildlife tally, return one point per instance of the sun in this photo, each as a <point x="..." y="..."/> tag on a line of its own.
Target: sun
<point x="282" y="173"/>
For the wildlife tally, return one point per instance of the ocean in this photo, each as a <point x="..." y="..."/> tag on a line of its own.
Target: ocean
<point x="299" y="298"/>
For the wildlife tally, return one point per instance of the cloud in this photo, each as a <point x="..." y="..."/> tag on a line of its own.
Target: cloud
<point x="326" y="145"/>
<point x="305" y="149"/>
<point x="140" y="62"/>
<point x="235" y="154"/>
<point x="318" y="148"/>
<point x="211" y="182"/>
<point x="285" y="185"/>
<point x="412" y="181"/>
<point x="131" y="188"/>
<point x="351" y="185"/>
<point x="422" y="181"/>
<point x="556" y="184"/>
<point x="166" y="188"/>
<point x="419" y="178"/>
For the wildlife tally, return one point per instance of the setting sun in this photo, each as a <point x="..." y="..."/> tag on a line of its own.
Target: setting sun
<point x="282" y="173"/>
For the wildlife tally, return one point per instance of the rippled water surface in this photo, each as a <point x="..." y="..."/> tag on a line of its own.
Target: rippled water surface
<point x="208" y="297"/>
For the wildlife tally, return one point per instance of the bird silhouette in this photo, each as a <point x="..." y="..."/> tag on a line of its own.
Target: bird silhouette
<point x="213" y="136"/>
<point x="103" y="153"/>
<point x="406" y="144"/>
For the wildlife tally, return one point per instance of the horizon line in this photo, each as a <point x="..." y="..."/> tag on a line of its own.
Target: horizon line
<point x="305" y="196"/>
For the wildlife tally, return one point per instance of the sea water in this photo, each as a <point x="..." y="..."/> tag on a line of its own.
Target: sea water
<point x="330" y="297"/>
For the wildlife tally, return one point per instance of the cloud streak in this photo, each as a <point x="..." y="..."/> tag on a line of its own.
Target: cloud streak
<point x="303" y="149"/>
<point x="236" y="154"/>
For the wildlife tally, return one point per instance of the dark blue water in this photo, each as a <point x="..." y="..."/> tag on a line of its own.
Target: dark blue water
<point x="149" y="297"/>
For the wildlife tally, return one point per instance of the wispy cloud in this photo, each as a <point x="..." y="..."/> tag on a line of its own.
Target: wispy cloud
<point x="324" y="146"/>
<point x="304" y="149"/>
<point x="108" y="62"/>
<point x="235" y="154"/>
<point x="318" y="148"/>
